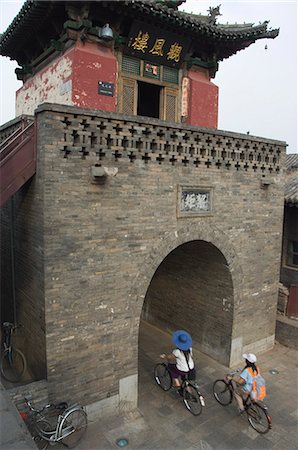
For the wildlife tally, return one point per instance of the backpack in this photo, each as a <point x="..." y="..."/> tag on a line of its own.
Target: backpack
<point x="258" y="391"/>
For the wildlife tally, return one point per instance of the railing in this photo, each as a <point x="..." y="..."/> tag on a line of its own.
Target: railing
<point x="17" y="158"/>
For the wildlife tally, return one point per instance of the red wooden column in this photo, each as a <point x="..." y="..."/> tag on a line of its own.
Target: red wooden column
<point x="292" y="308"/>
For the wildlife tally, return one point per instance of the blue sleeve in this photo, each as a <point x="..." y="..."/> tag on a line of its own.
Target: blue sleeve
<point x="248" y="380"/>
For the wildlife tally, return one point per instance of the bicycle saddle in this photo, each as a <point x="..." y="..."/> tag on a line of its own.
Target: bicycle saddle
<point x="62" y="406"/>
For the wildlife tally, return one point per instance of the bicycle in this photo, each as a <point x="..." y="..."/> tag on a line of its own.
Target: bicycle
<point x="35" y="418"/>
<point x="192" y="397"/>
<point x="256" y="412"/>
<point x="13" y="362"/>
<point x="54" y="424"/>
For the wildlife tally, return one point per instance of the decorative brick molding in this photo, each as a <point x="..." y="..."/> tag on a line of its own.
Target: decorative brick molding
<point x="116" y="137"/>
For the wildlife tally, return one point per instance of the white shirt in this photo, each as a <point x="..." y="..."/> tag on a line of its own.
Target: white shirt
<point x="181" y="360"/>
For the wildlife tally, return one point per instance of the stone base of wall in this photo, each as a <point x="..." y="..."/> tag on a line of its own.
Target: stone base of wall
<point x="261" y="346"/>
<point x="125" y="401"/>
<point x="237" y="349"/>
<point x="286" y="332"/>
<point x="37" y="393"/>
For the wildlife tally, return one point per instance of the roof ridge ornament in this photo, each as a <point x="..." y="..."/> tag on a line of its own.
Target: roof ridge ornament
<point x="171" y="4"/>
<point x="213" y="13"/>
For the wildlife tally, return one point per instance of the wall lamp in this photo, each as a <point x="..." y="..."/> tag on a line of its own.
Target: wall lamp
<point x="106" y="33"/>
<point x="265" y="183"/>
<point x="101" y="173"/>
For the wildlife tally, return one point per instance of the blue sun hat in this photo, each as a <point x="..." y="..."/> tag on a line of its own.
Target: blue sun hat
<point x="182" y="339"/>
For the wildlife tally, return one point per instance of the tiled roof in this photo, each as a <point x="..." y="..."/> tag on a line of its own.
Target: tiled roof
<point x="291" y="191"/>
<point x="224" y="40"/>
<point x="292" y="161"/>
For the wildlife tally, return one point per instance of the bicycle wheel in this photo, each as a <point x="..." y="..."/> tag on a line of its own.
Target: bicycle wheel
<point x="191" y="398"/>
<point x="73" y="427"/>
<point x="258" y="418"/>
<point x="162" y="376"/>
<point x="222" y="392"/>
<point x="41" y="426"/>
<point x="13" y="365"/>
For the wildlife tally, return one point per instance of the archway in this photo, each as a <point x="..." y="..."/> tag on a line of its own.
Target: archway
<point x="165" y="245"/>
<point x="223" y="255"/>
<point x="192" y="289"/>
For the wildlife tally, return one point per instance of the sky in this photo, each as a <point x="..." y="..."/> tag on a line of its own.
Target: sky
<point x="257" y="86"/>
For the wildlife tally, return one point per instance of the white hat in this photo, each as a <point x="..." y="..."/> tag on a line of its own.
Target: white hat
<point x="250" y="357"/>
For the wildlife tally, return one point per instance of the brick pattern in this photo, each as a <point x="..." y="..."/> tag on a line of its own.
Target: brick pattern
<point x="287" y="332"/>
<point x="23" y="237"/>
<point x="212" y="329"/>
<point x="97" y="247"/>
<point x="161" y="144"/>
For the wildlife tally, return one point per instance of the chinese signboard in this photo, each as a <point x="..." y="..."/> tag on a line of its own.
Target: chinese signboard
<point x="184" y="103"/>
<point x="156" y="45"/>
<point x="106" y="88"/>
<point x="195" y="201"/>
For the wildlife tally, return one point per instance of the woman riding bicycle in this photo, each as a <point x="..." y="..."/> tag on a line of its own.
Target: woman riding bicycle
<point x="243" y="382"/>
<point x="182" y="364"/>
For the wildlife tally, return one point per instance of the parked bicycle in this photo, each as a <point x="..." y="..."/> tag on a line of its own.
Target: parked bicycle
<point x="192" y="397"/>
<point x="13" y="362"/>
<point x="35" y="418"/>
<point x="256" y="412"/>
<point x="54" y="424"/>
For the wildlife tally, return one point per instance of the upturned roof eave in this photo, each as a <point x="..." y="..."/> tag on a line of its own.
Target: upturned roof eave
<point x="235" y="39"/>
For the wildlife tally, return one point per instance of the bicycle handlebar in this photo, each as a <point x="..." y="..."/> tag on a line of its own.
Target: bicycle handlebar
<point x="10" y="326"/>
<point x="233" y="372"/>
<point x="60" y="406"/>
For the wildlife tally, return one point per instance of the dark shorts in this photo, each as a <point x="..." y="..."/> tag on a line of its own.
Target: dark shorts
<point x="176" y="373"/>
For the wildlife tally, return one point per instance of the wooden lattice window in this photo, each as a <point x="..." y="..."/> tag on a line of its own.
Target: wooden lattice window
<point x="292" y="255"/>
<point x="129" y="93"/>
<point x="131" y="65"/>
<point x="170" y="75"/>
<point x="133" y="78"/>
<point x="170" y="104"/>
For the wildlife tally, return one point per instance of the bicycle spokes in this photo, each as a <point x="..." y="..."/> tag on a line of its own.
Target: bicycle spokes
<point x="192" y="401"/>
<point x="162" y="376"/>
<point x="222" y="392"/>
<point x="13" y="365"/>
<point x="73" y="427"/>
<point x="258" y="418"/>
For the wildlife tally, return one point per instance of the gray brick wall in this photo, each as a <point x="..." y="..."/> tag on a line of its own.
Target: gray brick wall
<point x="287" y="332"/>
<point x="101" y="244"/>
<point x="22" y="235"/>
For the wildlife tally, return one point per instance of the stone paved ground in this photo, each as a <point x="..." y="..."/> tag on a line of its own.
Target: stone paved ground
<point x="163" y="423"/>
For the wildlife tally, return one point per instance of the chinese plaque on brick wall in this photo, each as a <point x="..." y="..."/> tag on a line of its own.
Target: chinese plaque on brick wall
<point x="195" y="201"/>
<point x="156" y="45"/>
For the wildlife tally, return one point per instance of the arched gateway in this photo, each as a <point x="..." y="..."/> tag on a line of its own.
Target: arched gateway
<point x="193" y="279"/>
<point x="135" y="205"/>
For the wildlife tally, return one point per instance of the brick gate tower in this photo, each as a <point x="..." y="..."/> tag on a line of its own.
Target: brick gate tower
<point x="122" y="201"/>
